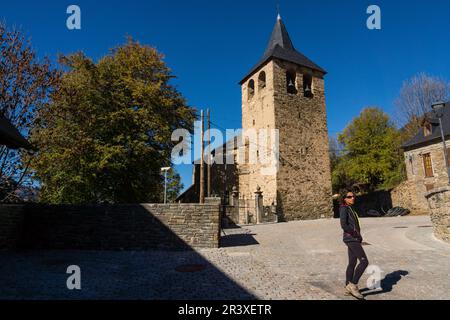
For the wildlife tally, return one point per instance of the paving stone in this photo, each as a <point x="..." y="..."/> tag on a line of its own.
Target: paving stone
<point x="295" y="260"/>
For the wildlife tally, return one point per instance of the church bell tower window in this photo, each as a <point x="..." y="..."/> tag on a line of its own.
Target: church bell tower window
<point x="307" y="86"/>
<point x="262" y="80"/>
<point x="290" y="82"/>
<point x="251" y="89"/>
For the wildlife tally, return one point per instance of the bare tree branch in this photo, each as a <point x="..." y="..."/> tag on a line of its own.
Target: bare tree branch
<point x="415" y="100"/>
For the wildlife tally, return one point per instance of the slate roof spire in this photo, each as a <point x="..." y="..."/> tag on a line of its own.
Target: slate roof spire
<point x="280" y="37"/>
<point x="280" y="46"/>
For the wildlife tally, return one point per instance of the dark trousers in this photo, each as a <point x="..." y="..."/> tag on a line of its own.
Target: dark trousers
<point x="355" y="253"/>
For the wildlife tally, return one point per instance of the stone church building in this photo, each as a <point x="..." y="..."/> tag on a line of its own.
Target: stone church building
<point x="284" y="91"/>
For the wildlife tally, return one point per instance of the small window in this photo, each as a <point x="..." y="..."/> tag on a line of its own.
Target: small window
<point x="247" y="151"/>
<point x="427" y="129"/>
<point x="253" y="122"/>
<point x="262" y="80"/>
<point x="251" y="89"/>
<point x="290" y="82"/>
<point x="427" y="164"/>
<point x="307" y="86"/>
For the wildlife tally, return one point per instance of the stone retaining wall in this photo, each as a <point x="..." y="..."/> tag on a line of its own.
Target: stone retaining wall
<point x="11" y="224"/>
<point x="439" y="201"/>
<point x="409" y="195"/>
<point x="111" y="227"/>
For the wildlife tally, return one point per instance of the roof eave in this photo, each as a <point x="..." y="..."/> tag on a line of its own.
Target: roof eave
<point x="265" y="61"/>
<point x="434" y="140"/>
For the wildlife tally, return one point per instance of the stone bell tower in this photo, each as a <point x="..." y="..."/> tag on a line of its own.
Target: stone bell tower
<point x="285" y="91"/>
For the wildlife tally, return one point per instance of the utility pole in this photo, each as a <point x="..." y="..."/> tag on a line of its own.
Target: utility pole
<point x="446" y="164"/>
<point x="165" y="187"/>
<point x="209" y="154"/>
<point x="165" y="169"/>
<point x="202" y="167"/>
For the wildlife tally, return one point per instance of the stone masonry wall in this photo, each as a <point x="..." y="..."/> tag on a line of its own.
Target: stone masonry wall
<point x="304" y="176"/>
<point x="416" y="172"/>
<point x="301" y="188"/>
<point x="11" y="224"/>
<point x="439" y="200"/>
<point x="119" y="227"/>
<point x="418" y="185"/>
<point x="406" y="195"/>
<point x="258" y="112"/>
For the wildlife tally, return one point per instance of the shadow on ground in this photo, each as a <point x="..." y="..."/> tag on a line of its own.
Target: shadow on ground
<point x="155" y="263"/>
<point x="111" y="275"/>
<point x="236" y="236"/>
<point x="238" y="240"/>
<point x="387" y="284"/>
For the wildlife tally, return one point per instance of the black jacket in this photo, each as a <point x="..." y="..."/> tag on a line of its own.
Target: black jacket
<point x="350" y="224"/>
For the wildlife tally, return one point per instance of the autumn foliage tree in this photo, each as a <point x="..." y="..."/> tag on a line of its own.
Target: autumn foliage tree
<point x="25" y="85"/>
<point x="107" y="132"/>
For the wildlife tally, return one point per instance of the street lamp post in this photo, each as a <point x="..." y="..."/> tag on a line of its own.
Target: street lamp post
<point x="165" y="169"/>
<point x="438" y="109"/>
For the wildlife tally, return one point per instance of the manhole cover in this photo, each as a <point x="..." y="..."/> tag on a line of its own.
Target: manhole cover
<point x="424" y="226"/>
<point x="190" y="268"/>
<point x="400" y="227"/>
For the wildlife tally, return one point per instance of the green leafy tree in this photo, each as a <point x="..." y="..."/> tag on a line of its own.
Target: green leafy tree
<point x="107" y="132"/>
<point x="174" y="185"/>
<point x="372" y="153"/>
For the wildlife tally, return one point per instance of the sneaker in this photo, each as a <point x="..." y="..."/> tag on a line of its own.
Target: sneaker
<point x="346" y="292"/>
<point x="354" y="291"/>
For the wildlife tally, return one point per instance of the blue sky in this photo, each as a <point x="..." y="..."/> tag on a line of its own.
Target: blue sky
<point x="210" y="45"/>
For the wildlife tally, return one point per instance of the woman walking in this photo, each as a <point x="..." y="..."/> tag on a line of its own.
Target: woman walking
<point x="353" y="239"/>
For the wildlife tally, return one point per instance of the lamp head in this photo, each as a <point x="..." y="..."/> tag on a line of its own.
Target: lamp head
<point x="437" y="106"/>
<point x="438" y="109"/>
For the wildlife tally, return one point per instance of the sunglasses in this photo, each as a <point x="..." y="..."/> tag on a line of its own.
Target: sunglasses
<point x="350" y="197"/>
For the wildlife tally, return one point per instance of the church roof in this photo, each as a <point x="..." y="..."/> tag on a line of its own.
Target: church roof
<point x="280" y="46"/>
<point x="10" y="136"/>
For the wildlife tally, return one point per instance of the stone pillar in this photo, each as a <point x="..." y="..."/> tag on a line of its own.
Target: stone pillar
<point x="234" y="197"/>
<point x="258" y="204"/>
<point x="235" y="203"/>
<point x="273" y="210"/>
<point x="439" y="202"/>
